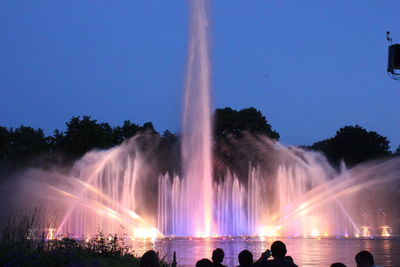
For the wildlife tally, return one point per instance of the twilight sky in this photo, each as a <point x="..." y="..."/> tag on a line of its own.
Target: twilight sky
<point x="310" y="67"/>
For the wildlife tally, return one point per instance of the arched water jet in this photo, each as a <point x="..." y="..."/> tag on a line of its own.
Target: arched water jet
<point x="298" y="194"/>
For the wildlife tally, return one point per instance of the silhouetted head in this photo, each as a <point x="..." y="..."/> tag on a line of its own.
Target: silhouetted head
<point x="218" y="255"/>
<point x="364" y="259"/>
<point x="150" y="259"/>
<point x="338" y="264"/>
<point x="278" y="249"/>
<point x="204" y="263"/>
<point x="245" y="258"/>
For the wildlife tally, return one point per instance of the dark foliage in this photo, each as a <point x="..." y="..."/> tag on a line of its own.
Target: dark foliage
<point x="127" y="130"/>
<point x="5" y="143"/>
<point x="85" y="134"/>
<point x="30" y="250"/>
<point x="353" y="145"/>
<point x="229" y="121"/>
<point x="25" y="146"/>
<point x="21" y="145"/>
<point x="397" y="152"/>
<point x="169" y="153"/>
<point x="25" y="241"/>
<point x="235" y="136"/>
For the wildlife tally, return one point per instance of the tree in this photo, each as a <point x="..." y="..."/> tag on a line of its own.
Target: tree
<point x="397" y="152"/>
<point x="5" y="142"/>
<point x="229" y="121"/>
<point x="168" y="154"/>
<point x="148" y="127"/>
<point x="85" y="134"/>
<point x="26" y="143"/>
<point x="127" y="130"/>
<point x="353" y="145"/>
<point x="232" y="149"/>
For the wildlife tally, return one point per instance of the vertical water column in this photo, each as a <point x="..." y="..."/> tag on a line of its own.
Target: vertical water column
<point x="197" y="193"/>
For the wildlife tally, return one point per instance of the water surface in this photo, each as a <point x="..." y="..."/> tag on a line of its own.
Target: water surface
<point x="306" y="252"/>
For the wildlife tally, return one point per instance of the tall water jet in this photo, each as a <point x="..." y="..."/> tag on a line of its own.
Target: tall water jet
<point x="196" y="143"/>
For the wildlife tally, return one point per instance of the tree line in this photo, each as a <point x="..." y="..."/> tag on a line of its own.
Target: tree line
<point x="28" y="146"/>
<point x="24" y="145"/>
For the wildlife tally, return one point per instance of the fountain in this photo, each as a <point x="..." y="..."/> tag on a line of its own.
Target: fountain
<point x="292" y="192"/>
<point x="194" y="214"/>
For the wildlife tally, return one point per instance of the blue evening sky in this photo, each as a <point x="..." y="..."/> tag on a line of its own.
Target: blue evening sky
<point x="310" y="67"/>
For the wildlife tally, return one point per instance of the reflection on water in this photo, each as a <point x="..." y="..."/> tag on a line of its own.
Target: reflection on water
<point x="306" y="252"/>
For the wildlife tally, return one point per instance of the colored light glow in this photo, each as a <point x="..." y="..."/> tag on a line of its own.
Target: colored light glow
<point x="315" y="233"/>
<point x="385" y="230"/>
<point x="145" y="233"/>
<point x="50" y="234"/>
<point x="365" y="231"/>
<point x="200" y="235"/>
<point x="303" y="205"/>
<point x="268" y="231"/>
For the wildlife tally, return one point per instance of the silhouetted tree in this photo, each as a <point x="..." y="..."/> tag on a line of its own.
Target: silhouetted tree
<point x="353" y="145"/>
<point x="233" y="149"/>
<point x="56" y="141"/>
<point x="229" y="121"/>
<point x="169" y="153"/>
<point x="85" y="134"/>
<point x="5" y="143"/>
<point x="148" y="127"/>
<point x="127" y="130"/>
<point x="25" y="143"/>
<point x="397" y="152"/>
<point x="19" y="146"/>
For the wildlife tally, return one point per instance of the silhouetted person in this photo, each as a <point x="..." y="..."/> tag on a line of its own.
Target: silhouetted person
<point x="278" y="250"/>
<point x="338" y="264"/>
<point x="263" y="259"/>
<point x="150" y="259"/>
<point x="364" y="259"/>
<point x="218" y="257"/>
<point x="204" y="263"/>
<point x="174" y="263"/>
<point x="245" y="258"/>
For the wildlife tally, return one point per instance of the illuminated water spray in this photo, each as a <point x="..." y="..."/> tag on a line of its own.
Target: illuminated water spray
<point x="196" y="194"/>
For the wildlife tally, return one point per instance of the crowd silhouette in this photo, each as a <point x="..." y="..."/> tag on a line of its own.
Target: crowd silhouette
<point x="274" y="257"/>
